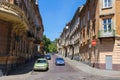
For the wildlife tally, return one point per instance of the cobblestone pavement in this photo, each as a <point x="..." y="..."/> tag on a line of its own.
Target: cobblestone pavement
<point x="1" y="73"/>
<point x="90" y="70"/>
<point x="67" y="72"/>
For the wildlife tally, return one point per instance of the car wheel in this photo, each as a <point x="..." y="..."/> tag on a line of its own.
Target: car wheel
<point x="47" y="69"/>
<point x="56" y="64"/>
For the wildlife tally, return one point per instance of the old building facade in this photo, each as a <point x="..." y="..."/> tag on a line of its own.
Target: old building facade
<point x="98" y="34"/>
<point x="69" y="38"/>
<point x="20" y="32"/>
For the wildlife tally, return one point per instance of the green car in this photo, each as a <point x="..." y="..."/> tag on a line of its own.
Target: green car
<point x="41" y="64"/>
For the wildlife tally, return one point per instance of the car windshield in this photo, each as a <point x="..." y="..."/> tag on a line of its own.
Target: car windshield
<point x="47" y="55"/>
<point x="41" y="61"/>
<point x="59" y="58"/>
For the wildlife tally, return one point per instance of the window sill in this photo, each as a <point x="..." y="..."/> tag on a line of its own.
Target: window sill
<point x="106" y="8"/>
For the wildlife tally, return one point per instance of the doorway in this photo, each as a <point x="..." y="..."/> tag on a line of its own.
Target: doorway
<point x="108" y="62"/>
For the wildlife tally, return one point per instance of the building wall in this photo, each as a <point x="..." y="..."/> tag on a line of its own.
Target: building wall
<point x="4" y="35"/>
<point x="117" y="17"/>
<point x="88" y="25"/>
<point x="96" y="55"/>
<point x="91" y="28"/>
<point x="109" y="46"/>
<point x="18" y="34"/>
<point x="107" y="10"/>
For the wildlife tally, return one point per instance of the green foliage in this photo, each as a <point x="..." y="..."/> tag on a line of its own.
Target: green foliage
<point x="49" y="46"/>
<point x="46" y="43"/>
<point x="52" y="47"/>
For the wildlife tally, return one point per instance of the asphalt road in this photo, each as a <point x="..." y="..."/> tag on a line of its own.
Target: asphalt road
<point x="67" y="72"/>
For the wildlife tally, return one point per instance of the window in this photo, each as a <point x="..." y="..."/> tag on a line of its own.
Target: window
<point x="81" y="37"/>
<point x="88" y="15"/>
<point x="84" y="20"/>
<point x="93" y="26"/>
<point x="107" y="25"/>
<point x="107" y="3"/>
<point x="88" y="31"/>
<point x="84" y="33"/>
<point x="6" y="0"/>
<point x="81" y="23"/>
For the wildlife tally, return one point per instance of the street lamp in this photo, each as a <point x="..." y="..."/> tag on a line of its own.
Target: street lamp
<point x="63" y="36"/>
<point x="67" y="27"/>
<point x="66" y="34"/>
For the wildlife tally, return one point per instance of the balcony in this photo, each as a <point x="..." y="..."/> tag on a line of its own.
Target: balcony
<point x="63" y="44"/>
<point x="38" y="28"/>
<point x="103" y="34"/>
<point x="70" y="43"/>
<point x="13" y="14"/>
<point x="76" y="39"/>
<point x="30" y="36"/>
<point x="37" y="41"/>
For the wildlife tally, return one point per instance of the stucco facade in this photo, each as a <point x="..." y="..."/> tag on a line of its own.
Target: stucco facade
<point x="21" y="32"/>
<point x="99" y="40"/>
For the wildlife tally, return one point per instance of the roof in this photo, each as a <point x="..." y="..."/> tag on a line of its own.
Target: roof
<point x="41" y="59"/>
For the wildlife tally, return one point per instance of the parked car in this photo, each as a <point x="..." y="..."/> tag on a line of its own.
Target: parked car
<point x="39" y="55"/>
<point x="59" y="61"/>
<point x="41" y="64"/>
<point x="48" y="56"/>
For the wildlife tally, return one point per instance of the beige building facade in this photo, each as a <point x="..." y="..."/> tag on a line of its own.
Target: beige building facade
<point x="99" y="34"/>
<point x="21" y="32"/>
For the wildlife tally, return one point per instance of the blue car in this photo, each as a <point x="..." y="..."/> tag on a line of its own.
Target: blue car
<point x="59" y="61"/>
<point x="48" y="57"/>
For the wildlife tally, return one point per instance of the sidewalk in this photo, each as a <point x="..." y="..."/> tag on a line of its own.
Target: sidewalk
<point x="1" y="74"/>
<point x="91" y="70"/>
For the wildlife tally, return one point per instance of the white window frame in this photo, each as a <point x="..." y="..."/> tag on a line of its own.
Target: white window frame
<point x="107" y="25"/>
<point x="107" y="4"/>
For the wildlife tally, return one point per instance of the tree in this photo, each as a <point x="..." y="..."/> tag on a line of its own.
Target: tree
<point x="46" y="43"/>
<point x="49" y="46"/>
<point x="52" y="47"/>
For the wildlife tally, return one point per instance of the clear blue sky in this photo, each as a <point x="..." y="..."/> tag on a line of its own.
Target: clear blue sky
<point x="56" y="14"/>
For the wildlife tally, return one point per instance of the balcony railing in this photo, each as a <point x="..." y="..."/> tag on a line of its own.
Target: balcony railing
<point x="71" y="42"/>
<point x="63" y="43"/>
<point x="102" y="33"/>
<point x="76" y="37"/>
<point x="6" y="7"/>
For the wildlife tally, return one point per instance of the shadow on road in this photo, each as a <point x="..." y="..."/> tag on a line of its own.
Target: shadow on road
<point x="23" y="69"/>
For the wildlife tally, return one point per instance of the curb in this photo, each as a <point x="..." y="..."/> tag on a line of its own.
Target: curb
<point x="86" y="68"/>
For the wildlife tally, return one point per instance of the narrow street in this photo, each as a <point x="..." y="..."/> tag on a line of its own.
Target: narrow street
<point x="86" y="33"/>
<point x="67" y="72"/>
